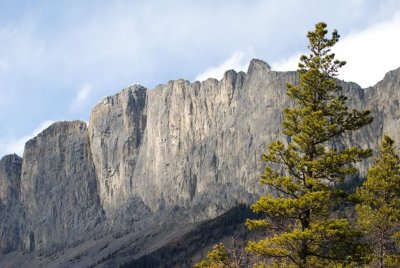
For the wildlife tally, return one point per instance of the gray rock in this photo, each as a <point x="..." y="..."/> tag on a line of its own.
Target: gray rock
<point x="10" y="206"/>
<point x="59" y="188"/>
<point x="180" y="152"/>
<point x="200" y="144"/>
<point x="116" y="132"/>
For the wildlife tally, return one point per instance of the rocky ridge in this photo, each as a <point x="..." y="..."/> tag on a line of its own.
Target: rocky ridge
<point x="183" y="152"/>
<point x="59" y="188"/>
<point x="11" y="217"/>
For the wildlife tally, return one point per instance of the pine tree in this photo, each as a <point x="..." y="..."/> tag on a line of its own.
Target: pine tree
<point x="379" y="208"/>
<point x="216" y="258"/>
<point x="304" y="174"/>
<point x="233" y="257"/>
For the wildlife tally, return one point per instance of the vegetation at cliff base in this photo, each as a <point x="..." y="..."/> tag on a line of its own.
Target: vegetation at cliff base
<point x="378" y="210"/>
<point x="303" y="220"/>
<point x="305" y="173"/>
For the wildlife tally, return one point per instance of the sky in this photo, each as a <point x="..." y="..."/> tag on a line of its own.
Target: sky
<point x="59" y="58"/>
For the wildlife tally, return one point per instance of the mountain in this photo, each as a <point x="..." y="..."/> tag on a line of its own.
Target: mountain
<point x="153" y="166"/>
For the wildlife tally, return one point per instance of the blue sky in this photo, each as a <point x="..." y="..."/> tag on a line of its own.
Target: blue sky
<point x="58" y="58"/>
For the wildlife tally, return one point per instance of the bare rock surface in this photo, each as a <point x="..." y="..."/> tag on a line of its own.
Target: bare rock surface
<point x="116" y="131"/>
<point x="182" y="152"/>
<point x="186" y="146"/>
<point x="59" y="188"/>
<point x="10" y="205"/>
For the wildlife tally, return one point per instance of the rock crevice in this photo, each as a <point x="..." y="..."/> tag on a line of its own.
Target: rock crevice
<point x="182" y="151"/>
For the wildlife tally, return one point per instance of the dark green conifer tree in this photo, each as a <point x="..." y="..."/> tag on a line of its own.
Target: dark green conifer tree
<point x="216" y="258"/>
<point x="304" y="174"/>
<point x="379" y="209"/>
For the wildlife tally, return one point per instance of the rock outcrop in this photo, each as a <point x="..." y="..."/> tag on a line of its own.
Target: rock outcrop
<point x="187" y="147"/>
<point x="182" y="151"/>
<point x="59" y="188"/>
<point x="116" y="131"/>
<point x="10" y="205"/>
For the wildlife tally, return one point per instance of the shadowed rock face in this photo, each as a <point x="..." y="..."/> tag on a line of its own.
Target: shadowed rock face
<point x="183" y="151"/>
<point x="10" y="206"/>
<point x="59" y="188"/>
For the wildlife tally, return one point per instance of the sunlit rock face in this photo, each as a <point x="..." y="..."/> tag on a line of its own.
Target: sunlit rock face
<point x="195" y="148"/>
<point x="116" y="133"/>
<point x="179" y="152"/>
<point x="191" y="147"/>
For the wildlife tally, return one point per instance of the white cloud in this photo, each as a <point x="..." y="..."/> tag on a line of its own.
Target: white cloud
<point x="81" y="97"/>
<point x="239" y="61"/>
<point x="116" y="42"/>
<point x="16" y="145"/>
<point x="369" y="53"/>
<point x="288" y="64"/>
<point x="83" y="93"/>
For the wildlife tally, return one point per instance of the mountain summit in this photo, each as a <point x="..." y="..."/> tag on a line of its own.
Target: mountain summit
<point x="155" y="163"/>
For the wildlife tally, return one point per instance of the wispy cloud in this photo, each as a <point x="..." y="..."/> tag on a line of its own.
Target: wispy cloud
<point x="238" y="61"/>
<point x="287" y="64"/>
<point x="81" y="97"/>
<point x="113" y="43"/>
<point x="369" y="53"/>
<point x="16" y="145"/>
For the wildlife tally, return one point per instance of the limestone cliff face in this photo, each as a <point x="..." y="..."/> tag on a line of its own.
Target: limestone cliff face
<point x="187" y="150"/>
<point x="116" y="131"/>
<point x="196" y="147"/>
<point x="383" y="100"/>
<point x="59" y="187"/>
<point x="199" y="144"/>
<point x="10" y="206"/>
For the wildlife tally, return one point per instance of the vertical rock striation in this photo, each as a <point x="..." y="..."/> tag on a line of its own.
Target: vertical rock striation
<point x="197" y="146"/>
<point x="58" y="188"/>
<point x="183" y="151"/>
<point x="116" y="131"/>
<point x="203" y="141"/>
<point x="10" y="206"/>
